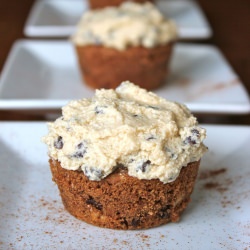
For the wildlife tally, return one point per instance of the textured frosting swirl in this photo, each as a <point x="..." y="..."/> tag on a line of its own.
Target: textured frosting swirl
<point x="152" y="137"/>
<point x="130" y="24"/>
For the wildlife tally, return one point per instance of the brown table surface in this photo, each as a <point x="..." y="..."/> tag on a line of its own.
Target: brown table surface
<point x="229" y="20"/>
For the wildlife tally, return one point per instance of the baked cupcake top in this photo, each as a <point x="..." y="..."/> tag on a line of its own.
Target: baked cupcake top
<point x="130" y="24"/>
<point x="152" y="137"/>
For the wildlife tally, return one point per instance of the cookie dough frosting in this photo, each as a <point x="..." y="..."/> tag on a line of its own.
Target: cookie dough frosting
<point x="152" y="137"/>
<point x="130" y="24"/>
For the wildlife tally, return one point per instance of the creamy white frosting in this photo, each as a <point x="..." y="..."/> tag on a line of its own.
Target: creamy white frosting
<point x="130" y="24"/>
<point x="152" y="137"/>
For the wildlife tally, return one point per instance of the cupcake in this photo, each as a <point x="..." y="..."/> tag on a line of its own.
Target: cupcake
<point x="95" y="4"/>
<point x="125" y="159"/>
<point x="130" y="42"/>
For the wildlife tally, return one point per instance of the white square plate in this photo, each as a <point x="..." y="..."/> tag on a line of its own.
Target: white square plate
<point x="45" y="75"/>
<point x="57" y="18"/>
<point x="33" y="217"/>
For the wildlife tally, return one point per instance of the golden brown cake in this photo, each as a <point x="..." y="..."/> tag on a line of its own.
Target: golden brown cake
<point x="121" y="201"/>
<point x="125" y="159"/>
<point x="147" y="67"/>
<point x="131" y="42"/>
<point x="95" y="4"/>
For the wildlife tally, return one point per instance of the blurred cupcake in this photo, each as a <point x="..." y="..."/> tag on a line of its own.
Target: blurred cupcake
<point x="95" y="4"/>
<point x="130" y="42"/>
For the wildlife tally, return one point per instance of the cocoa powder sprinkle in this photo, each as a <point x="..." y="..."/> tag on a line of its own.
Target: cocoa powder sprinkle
<point x="211" y="173"/>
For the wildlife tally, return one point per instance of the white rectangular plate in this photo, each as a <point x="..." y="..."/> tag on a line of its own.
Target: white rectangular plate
<point x="45" y="75"/>
<point x="33" y="217"/>
<point x="59" y="17"/>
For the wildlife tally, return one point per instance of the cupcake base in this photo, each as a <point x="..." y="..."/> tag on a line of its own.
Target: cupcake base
<point x="104" y="67"/>
<point x="120" y="201"/>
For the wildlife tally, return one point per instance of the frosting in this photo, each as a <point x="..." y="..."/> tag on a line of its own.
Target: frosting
<point x="130" y="24"/>
<point x="152" y="137"/>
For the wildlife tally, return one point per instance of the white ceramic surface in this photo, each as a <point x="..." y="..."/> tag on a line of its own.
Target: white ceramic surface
<point x="45" y="75"/>
<point x="33" y="217"/>
<point x="57" y="18"/>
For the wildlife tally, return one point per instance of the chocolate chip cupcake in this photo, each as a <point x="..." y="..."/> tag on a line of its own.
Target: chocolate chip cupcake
<point x="96" y="4"/>
<point x="130" y="42"/>
<point x="125" y="159"/>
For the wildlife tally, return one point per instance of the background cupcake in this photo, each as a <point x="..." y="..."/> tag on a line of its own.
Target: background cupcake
<point x="130" y="42"/>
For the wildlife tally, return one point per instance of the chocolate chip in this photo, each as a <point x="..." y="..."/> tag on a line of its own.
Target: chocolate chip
<point x="131" y="160"/>
<point x="100" y="109"/>
<point x="91" y="201"/>
<point x="173" y="155"/>
<point x="189" y="140"/>
<point x="153" y="107"/>
<point x="135" y="222"/>
<point x="195" y="131"/>
<point x="58" y="143"/>
<point x="80" y="150"/>
<point x="150" y="137"/>
<point x="80" y="145"/>
<point x="125" y="222"/>
<point x="93" y="173"/>
<point x="143" y="167"/>
<point x="164" y="212"/>
<point x="79" y="154"/>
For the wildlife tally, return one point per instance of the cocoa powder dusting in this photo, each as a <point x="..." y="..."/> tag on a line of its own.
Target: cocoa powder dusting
<point x="210" y="88"/>
<point x="218" y="180"/>
<point x="210" y="185"/>
<point x="211" y="173"/>
<point x="124" y="242"/>
<point x="220" y="186"/>
<point x="216" y="186"/>
<point x="184" y="81"/>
